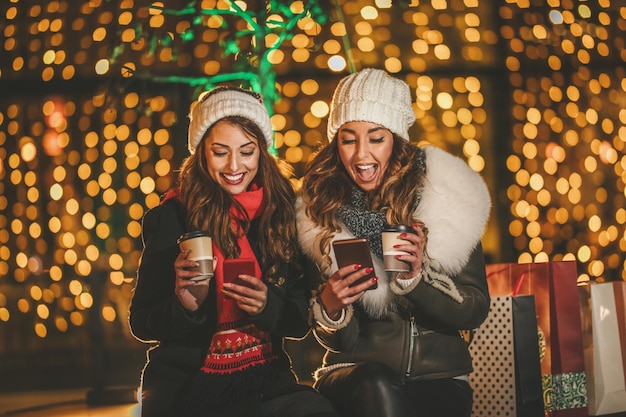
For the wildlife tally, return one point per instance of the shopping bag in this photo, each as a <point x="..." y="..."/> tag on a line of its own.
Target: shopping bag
<point x="506" y="380"/>
<point x="603" y="316"/>
<point x="554" y="285"/>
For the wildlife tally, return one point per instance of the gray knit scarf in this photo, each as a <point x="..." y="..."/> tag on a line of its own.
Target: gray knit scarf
<point x="362" y="221"/>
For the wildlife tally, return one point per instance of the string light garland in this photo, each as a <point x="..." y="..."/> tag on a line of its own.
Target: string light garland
<point x="530" y="95"/>
<point x="250" y="39"/>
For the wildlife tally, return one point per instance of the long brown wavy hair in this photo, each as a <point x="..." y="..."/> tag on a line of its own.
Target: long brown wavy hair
<point x="327" y="186"/>
<point x="208" y="204"/>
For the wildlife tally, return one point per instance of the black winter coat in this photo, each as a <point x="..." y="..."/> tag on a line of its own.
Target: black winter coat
<point x="181" y="338"/>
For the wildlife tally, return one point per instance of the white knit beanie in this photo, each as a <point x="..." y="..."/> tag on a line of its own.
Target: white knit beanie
<point x="222" y="102"/>
<point x="371" y="95"/>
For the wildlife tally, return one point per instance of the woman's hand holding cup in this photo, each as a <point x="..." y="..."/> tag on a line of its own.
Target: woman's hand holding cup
<point x="403" y="250"/>
<point x="194" y="268"/>
<point x="190" y="293"/>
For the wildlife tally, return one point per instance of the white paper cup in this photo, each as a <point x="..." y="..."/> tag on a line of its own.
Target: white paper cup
<point x="391" y="237"/>
<point x="200" y="247"/>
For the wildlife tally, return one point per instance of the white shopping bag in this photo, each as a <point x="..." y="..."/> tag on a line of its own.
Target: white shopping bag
<point x="604" y="336"/>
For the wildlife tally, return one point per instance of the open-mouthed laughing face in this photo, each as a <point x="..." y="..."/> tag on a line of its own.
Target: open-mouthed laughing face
<point x="365" y="150"/>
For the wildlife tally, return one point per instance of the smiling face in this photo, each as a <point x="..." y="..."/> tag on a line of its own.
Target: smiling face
<point x="232" y="156"/>
<point x="365" y="150"/>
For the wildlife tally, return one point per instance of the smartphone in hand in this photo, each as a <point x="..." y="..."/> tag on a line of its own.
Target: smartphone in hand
<point x="355" y="251"/>
<point x="238" y="266"/>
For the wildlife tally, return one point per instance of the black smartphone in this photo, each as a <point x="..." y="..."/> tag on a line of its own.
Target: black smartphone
<point x="355" y="251"/>
<point x="238" y="266"/>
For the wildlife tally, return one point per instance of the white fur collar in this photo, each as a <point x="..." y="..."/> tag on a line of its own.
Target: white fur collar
<point x="455" y="207"/>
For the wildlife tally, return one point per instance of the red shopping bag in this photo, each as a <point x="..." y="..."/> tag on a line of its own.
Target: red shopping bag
<point x="603" y="314"/>
<point x="562" y="359"/>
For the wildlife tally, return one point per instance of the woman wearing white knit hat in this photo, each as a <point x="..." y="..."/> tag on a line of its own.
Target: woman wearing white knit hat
<point x="220" y="342"/>
<point x="393" y="342"/>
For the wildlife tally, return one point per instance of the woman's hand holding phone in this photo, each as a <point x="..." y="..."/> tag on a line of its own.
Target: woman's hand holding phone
<point x="354" y="276"/>
<point x="343" y="288"/>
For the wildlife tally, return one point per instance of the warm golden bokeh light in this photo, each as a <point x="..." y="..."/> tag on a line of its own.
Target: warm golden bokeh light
<point x="533" y="100"/>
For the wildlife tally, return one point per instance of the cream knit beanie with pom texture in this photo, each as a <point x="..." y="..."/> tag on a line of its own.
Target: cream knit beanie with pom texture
<point x="222" y="102"/>
<point x="371" y="95"/>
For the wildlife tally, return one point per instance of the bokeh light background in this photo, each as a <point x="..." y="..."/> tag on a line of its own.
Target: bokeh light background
<point x="94" y="96"/>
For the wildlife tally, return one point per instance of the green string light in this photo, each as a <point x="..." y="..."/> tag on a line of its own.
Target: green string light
<point x="253" y="67"/>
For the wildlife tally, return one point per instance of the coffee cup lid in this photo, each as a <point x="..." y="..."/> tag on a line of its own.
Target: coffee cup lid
<point x="400" y="228"/>
<point x="192" y="234"/>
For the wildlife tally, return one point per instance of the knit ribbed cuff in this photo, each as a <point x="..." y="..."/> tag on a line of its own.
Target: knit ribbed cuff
<point x="402" y="286"/>
<point x="320" y="316"/>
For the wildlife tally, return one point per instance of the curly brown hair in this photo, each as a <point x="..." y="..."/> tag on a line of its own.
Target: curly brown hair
<point x="326" y="186"/>
<point x="208" y="204"/>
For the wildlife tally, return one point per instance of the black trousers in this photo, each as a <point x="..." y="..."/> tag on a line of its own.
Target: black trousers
<point x="298" y="404"/>
<point x="373" y="390"/>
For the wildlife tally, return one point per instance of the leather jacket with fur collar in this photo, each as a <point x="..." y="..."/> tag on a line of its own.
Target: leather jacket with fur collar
<point x="415" y="328"/>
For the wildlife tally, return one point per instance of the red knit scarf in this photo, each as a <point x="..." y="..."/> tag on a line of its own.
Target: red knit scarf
<point x="238" y="343"/>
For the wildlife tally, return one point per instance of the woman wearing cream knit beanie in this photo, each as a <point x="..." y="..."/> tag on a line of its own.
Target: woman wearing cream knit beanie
<point x="393" y="344"/>
<point x="220" y="350"/>
<point x="223" y="102"/>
